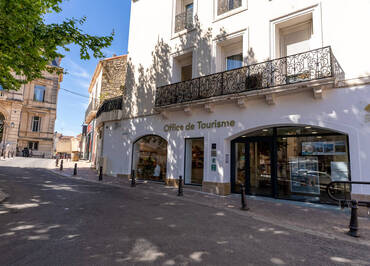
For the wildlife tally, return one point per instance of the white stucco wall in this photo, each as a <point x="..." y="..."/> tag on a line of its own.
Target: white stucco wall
<point x="341" y="110"/>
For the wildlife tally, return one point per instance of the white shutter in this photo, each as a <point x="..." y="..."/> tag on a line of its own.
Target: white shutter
<point x="296" y="40"/>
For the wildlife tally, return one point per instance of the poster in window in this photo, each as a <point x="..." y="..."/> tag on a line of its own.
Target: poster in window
<point x="324" y="148"/>
<point x="339" y="171"/>
<point x="304" y="175"/>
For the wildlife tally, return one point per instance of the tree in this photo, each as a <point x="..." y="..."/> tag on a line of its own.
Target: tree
<point x="28" y="45"/>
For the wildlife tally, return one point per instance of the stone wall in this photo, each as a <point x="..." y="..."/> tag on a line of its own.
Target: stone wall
<point x="113" y="77"/>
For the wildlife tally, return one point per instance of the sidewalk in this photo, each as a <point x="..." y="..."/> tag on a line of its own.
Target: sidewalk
<point x="315" y="219"/>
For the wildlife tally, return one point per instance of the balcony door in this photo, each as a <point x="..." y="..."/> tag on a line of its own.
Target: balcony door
<point x="186" y="73"/>
<point x="295" y="40"/>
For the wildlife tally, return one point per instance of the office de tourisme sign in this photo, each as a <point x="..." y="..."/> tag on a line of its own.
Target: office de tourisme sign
<point x="198" y="125"/>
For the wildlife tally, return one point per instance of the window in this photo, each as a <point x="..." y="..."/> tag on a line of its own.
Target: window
<point x="33" y="145"/>
<point x="36" y="124"/>
<point x="304" y="161"/>
<point x="39" y="93"/>
<point x="234" y="61"/>
<point x="194" y="161"/>
<point x="1" y="88"/>
<point x="189" y="15"/>
<point x="184" y="15"/>
<point x="227" y="5"/>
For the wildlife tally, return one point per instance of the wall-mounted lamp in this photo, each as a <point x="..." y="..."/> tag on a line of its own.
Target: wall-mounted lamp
<point x="12" y="124"/>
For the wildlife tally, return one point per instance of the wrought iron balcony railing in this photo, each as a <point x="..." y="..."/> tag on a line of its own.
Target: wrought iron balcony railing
<point x="110" y="105"/>
<point x="312" y="65"/>
<point x="184" y="21"/>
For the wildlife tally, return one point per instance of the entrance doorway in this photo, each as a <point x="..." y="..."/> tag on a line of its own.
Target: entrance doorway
<point x="291" y="162"/>
<point x="253" y="165"/>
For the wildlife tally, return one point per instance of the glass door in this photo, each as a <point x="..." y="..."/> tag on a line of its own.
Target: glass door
<point x="259" y="180"/>
<point x="252" y="166"/>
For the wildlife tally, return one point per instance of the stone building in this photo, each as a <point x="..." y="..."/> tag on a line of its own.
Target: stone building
<point x="107" y="83"/>
<point x="27" y="116"/>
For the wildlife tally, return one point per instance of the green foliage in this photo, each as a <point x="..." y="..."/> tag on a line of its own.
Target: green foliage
<point x="28" y="44"/>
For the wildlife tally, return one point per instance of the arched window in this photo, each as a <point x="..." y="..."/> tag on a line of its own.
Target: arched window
<point x="150" y="158"/>
<point x="2" y="118"/>
<point x="291" y="162"/>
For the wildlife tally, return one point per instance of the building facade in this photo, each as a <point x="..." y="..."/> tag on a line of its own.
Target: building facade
<point x="260" y="93"/>
<point x="28" y="115"/>
<point x="107" y="83"/>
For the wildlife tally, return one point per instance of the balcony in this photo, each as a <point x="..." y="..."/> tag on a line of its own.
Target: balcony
<point x="297" y="70"/>
<point x="90" y="112"/>
<point x="110" y="110"/>
<point x="184" y="21"/>
<point x="110" y="105"/>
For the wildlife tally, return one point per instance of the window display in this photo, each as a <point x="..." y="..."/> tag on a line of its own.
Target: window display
<point x="150" y="158"/>
<point x="304" y="161"/>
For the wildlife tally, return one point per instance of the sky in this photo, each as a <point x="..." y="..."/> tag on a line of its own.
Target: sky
<point x="103" y="16"/>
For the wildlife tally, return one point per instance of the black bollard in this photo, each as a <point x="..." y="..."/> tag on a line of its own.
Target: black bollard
<point x="353" y="225"/>
<point x="75" y="169"/>
<point x="56" y="162"/>
<point x="101" y="173"/>
<point x="133" y="181"/>
<point x="181" y="191"/>
<point x="61" y="165"/>
<point x="244" y="202"/>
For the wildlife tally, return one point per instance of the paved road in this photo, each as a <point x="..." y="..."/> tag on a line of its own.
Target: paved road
<point x="51" y="220"/>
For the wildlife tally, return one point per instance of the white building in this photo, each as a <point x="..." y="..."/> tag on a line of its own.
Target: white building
<point x="272" y="94"/>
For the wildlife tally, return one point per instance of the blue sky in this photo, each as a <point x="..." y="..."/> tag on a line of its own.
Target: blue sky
<point x="102" y="17"/>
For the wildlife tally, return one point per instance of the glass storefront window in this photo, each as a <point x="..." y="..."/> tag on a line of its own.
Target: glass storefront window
<point x="150" y="158"/>
<point x="298" y="163"/>
<point x="305" y="165"/>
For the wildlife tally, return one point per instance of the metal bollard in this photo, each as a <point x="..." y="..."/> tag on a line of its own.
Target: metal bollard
<point x="101" y="173"/>
<point x="61" y="165"/>
<point x="353" y="225"/>
<point x="244" y="202"/>
<point x="181" y="191"/>
<point x="56" y="162"/>
<point x="75" y="169"/>
<point x="133" y="180"/>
